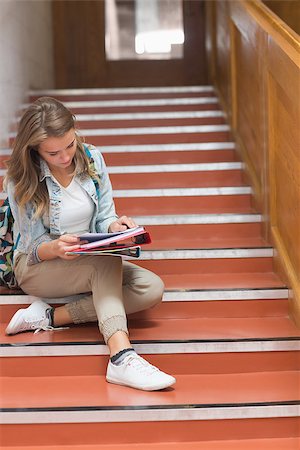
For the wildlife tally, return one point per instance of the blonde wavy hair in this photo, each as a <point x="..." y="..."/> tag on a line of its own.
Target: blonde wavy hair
<point x="46" y="117"/>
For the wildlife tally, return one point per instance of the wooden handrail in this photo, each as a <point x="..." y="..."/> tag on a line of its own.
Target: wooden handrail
<point x="287" y="38"/>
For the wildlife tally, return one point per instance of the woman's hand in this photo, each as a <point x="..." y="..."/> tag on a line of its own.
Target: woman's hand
<point x="122" y="224"/>
<point x="58" y="247"/>
<point x="66" y="243"/>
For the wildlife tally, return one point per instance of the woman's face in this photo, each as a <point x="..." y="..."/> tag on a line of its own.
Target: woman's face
<point x="58" y="152"/>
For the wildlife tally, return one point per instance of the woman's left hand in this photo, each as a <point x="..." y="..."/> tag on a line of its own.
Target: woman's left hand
<point x="122" y="224"/>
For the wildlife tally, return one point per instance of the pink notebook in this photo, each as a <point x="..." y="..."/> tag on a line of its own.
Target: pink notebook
<point x="136" y="235"/>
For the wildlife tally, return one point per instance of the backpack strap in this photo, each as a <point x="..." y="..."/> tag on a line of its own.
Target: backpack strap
<point x="92" y="163"/>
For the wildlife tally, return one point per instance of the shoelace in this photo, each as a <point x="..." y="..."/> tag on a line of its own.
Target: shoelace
<point x="142" y="365"/>
<point x="37" y="322"/>
<point x="49" y="328"/>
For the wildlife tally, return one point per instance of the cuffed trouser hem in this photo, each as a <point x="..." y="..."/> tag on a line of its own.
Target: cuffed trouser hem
<point x="82" y="311"/>
<point x="112" y="325"/>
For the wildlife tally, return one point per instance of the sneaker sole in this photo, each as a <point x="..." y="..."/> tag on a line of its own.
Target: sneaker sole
<point x="149" y="388"/>
<point x="13" y="322"/>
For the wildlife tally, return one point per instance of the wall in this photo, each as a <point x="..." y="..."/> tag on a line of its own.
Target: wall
<point x="25" y="55"/>
<point x="257" y="75"/>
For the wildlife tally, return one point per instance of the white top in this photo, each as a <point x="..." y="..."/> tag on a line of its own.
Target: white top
<point x="76" y="209"/>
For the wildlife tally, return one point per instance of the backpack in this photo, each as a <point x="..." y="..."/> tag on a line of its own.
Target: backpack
<point x="7" y="247"/>
<point x="7" y="277"/>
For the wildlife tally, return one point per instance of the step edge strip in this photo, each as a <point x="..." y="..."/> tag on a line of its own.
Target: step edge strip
<point x="169" y="168"/>
<point x="137" y="102"/>
<point x="172" y="168"/>
<point x="155" y="115"/>
<point x="200" y="146"/>
<point x="207" y="254"/>
<point x="189" y="129"/>
<point x="94" y="349"/>
<point x="93" y="91"/>
<point x="170" y="296"/>
<point x="198" y="219"/>
<point x="138" y="415"/>
<point x="178" y="192"/>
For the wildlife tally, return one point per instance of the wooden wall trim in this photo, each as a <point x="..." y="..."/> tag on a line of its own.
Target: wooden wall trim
<point x="258" y="79"/>
<point x="275" y="27"/>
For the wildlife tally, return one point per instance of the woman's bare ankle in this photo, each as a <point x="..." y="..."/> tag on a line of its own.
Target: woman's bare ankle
<point x="117" y="342"/>
<point x="61" y="316"/>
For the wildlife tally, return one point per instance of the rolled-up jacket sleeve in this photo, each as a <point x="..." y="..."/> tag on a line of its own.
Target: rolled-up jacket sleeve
<point x="107" y="212"/>
<point x="32" y="231"/>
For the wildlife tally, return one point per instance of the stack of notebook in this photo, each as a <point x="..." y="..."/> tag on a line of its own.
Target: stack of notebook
<point x="123" y="243"/>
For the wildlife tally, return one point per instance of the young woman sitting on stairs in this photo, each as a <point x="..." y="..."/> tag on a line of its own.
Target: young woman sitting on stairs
<point x="53" y="197"/>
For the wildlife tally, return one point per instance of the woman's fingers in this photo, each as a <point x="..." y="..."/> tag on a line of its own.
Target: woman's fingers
<point x="128" y="221"/>
<point x="69" y="238"/>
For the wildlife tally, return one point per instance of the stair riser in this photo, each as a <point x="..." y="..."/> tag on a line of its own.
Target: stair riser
<point x="147" y="108"/>
<point x="133" y="139"/>
<point x="215" y="232"/>
<point x="124" y="96"/>
<point x="166" y="157"/>
<point x="176" y="179"/>
<point x="200" y="266"/>
<point x="185" y="310"/>
<point x="133" y="123"/>
<point x="173" y="180"/>
<point x="170" y="157"/>
<point x="183" y="205"/>
<point x="133" y="432"/>
<point x="181" y="363"/>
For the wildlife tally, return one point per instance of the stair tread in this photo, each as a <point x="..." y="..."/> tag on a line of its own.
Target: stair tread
<point x="168" y="157"/>
<point x="196" y="389"/>
<point x="171" y="243"/>
<point x="170" y="330"/>
<point x="180" y="180"/>
<point x="222" y="280"/>
<point x="209" y="281"/>
<point x="244" y="444"/>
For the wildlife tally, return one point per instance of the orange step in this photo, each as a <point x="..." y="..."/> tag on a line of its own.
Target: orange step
<point x="174" y="432"/>
<point x="188" y="309"/>
<point x="127" y="96"/>
<point x="209" y="390"/>
<point x="168" y="157"/>
<point x="225" y="235"/>
<point x="210" y="281"/>
<point x="173" y="180"/>
<point x="245" y="444"/>
<point x="206" y="266"/>
<point x="228" y="280"/>
<point x="199" y="329"/>
<point x="176" y="179"/>
<point x="136" y="123"/>
<point x="188" y="242"/>
<point x="133" y="139"/>
<point x="214" y="204"/>
<point x="213" y="106"/>
<point x="177" y="363"/>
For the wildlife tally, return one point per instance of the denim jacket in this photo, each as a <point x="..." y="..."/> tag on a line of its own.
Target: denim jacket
<point x="33" y="231"/>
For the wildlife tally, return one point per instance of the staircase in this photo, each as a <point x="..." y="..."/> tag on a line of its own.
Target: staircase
<point x="222" y="329"/>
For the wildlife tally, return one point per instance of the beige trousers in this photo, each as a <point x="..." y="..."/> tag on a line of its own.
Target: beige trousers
<point x="114" y="288"/>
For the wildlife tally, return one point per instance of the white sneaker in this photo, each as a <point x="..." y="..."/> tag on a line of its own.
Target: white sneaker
<point x="136" y="372"/>
<point x="35" y="317"/>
